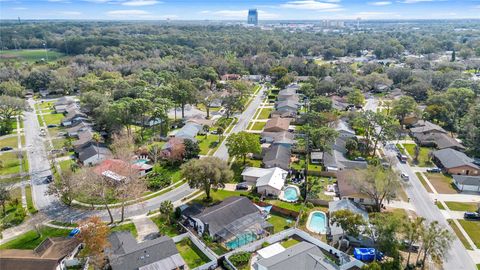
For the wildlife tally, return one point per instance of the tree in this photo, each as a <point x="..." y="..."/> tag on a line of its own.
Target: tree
<point x="436" y="242"/>
<point x="470" y="130"/>
<point x="376" y="182"/>
<point x="192" y="150"/>
<point x="278" y="72"/>
<point x="404" y="106"/>
<point x="356" y="98"/>
<point x="242" y="143"/>
<point x="351" y="145"/>
<point x="321" y="104"/>
<point x="12" y="88"/>
<point x="460" y="98"/>
<point x="232" y="103"/>
<point x="166" y="210"/>
<point x="383" y="230"/>
<point x="453" y="56"/>
<point x="97" y="187"/>
<point x="349" y="222"/>
<point x="184" y="93"/>
<point x="66" y="188"/>
<point x="416" y="153"/>
<point x="94" y="235"/>
<point x="10" y="107"/>
<point x="159" y="112"/>
<point x="96" y="137"/>
<point x="206" y="173"/>
<point x="412" y="231"/>
<point x="4" y="197"/>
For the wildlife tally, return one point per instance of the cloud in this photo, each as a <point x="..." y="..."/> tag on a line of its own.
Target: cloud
<point x="414" y="1"/>
<point x="239" y="14"/>
<point x="59" y="1"/>
<point x="312" y="5"/>
<point x="380" y="3"/>
<point x="19" y="8"/>
<point x="138" y="3"/>
<point x="128" y="12"/>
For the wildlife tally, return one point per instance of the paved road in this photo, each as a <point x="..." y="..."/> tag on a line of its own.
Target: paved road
<point x="458" y="258"/>
<point x="242" y="124"/>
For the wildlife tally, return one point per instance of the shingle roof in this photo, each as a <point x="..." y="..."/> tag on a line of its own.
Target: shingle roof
<point x="275" y="178"/>
<point x="344" y="204"/>
<point x="302" y="256"/>
<point x="288" y="103"/>
<point x="283" y="137"/>
<point x="126" y="254"/>
<point x="467" y="180"/>
<point x="189" y="131"/>
<point x="277" y="156"/>
<point x="426" y="126"/>
<point x="441" y="140"/>
<point x="277" y="123"/>
<point x="92" y="150"/>
<point x="345" y="187"/>
<point x="451" y="158"/>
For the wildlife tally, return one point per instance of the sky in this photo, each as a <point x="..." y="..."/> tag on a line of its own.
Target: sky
<point x="237" y="9"/>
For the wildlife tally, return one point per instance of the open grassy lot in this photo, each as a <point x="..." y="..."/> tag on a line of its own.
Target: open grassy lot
<point x="265" y="113"/>
<point x="9" y="181"/>
<point x="191" y="254"/>
<point x="11" y="164"/>
<point x="258" y="125"/>
<point x="164" y="228"/>
<point x="280" y="222"/>
<point x="442" y="183"/>
<point x="472" y="228"/>
<point x="54" y="131"/>
<point x="125" y="227"/>
<point x="461" y="206"/>
<point x="32" y="55"/>
<point x="11" y="141"/>
<point x="459" y="234"/>
<point x="423" y="159"/>
<point x="207" y="143"/>
<point x="424" y="182"/>
<point x="53" y="118"/>
<point x="31" y="239"/>
<point x="58" y="143"/>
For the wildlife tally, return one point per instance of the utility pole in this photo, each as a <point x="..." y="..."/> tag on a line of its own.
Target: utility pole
<point x="46" y="53"/>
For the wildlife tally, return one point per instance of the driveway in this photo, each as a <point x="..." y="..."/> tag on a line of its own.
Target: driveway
<point x="146" y="228"/>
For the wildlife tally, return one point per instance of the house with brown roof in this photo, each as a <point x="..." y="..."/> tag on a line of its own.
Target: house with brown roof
<point x="53" y="253"/>
<point x="277" y="124"/>
<point x="348" y="191"/>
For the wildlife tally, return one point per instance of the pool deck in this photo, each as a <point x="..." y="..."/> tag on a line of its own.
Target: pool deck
<point x="310" y="219"/>
<point x="282" y="194"/>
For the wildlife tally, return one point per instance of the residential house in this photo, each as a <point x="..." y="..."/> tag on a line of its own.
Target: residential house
<point x="188" y="131"/>
<point x="65" y="108"/>
<point x="423" y="126"/>
<point x="268" y="182"/>
<point x="455" y="162"/>
<point x="284" y="138"/>
<point x="61" y="104"/>
<point x="277" y="124"/>
<point x="117" y="170"/>
<point x="73" y="116"/>
<point x="467" y="183"/>
<point x="316" y="157"/>
<point x="125" y="253"/>
<point x="301" y="256"/>
<point x="84" y="137"/>
<point x="428" y="134"/>
<point x="287" y="106"/>
<point x="253" y="78"/>
<point x="79" y="127"/>
<point x="348" y="191"/>
<point x="172" y="144"/>
<point x="91" y="154"/>
<point x="52" y="253"/>
<point x="286" y="94"/>
<point x="277" y="156"/>
<point x="234" y="216"/>
<point x="336" y="231"/>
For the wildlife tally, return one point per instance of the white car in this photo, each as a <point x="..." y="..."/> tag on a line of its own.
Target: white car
<point x="404" y="176"/>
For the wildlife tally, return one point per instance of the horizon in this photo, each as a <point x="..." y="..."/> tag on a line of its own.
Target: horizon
<point x="216" y="10"/>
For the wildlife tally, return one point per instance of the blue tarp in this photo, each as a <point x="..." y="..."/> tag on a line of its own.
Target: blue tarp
<point x="367" y="254"/>
<point x="73" y="232"/>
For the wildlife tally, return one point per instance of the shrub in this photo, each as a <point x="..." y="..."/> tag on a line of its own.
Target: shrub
<point x="265" y="244"/>
<point x="309" y="205"/>
<point x="240" y="258"/>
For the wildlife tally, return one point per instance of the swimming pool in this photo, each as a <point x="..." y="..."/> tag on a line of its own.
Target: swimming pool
<point x="241" y="240"/>
<point x="317" y="222"/>
<point x="141" y="161"/>
<point x="290" y="194"/>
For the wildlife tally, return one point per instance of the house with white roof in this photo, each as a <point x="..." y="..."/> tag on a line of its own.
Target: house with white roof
<point x="268" y="181"/>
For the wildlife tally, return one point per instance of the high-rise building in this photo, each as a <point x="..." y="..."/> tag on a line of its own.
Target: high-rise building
<point x="252" y="16"/>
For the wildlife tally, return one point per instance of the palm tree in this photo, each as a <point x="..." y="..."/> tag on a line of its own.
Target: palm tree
<point x="413" y="230"/>
<point x="166" y="209"/>
<point x="97" y="138"/>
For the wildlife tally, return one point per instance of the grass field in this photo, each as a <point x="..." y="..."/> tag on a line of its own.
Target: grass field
<point x="11" y="141"/>
<point x="459" y="234"/>
<point x="191" y="254"/>
<point x="205" y="144"/>
<point x="280" y="222"/>
<point x="53" y="118"/>
<point x="29" y="55"/>
<point x="11" y="163"/>
<point x="424" y="182"/>
<point x="290" y="242"/>
<point x="461" y="206"/>
<point x="423" y="159"/>
<point x="125" y="227"/>
<point x="472" y="228"/>
<point x="30" y="207"/>
<point x="31" y="239"/>
<point x="265" y="113"/>
<point x="258" y="125"/>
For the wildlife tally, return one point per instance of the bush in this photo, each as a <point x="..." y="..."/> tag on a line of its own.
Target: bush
<point x="309" y="205"/>
<point x="265" y="244"/>
<point x="240" y="258"/>
<point x="159" y="178"/>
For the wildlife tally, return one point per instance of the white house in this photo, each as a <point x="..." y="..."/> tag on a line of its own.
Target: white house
<point x="268" y="181"/>
<point x="467" y="183"/>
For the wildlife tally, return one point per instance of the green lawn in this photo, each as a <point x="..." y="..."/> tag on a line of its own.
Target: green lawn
<point x="45" y="105"/>
<point x="300" y="165"/>
<point x="31" y="55"/>
<point x="460" y="206"/>
<point x="289" y="242"/>
<point x="58" y="143"/>
<point x="11" y="164"/>
<point x="54" y="131"/>
<point x="53" y="118"/>
<point x="164" y="228"/>
<point x="459" y="234"/>
<point x="31" y="239"/>
<point x="9" y="141"/>
<point x="265" y="113"/>
<point x="65" y="165"/>
<point x="258" y="125"/>
<point x="14" y="212"/>
<point x="472" y="228"/>
<point x="424" y="182"/>
<point x="423" y="159"/>
<point x="11" y="180"/>
<point x="206" y="143"/>
<point x="125" y="227"/>
<point x="220" y="195"/>
<point x="30" y="206"/>
<point x="280" y="222"/>
<point x="287" y="205"/>
<point x="321" y="186"/>
<point x="191" y="254"/>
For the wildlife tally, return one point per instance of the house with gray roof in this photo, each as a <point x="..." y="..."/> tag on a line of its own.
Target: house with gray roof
<point x="336" y="231"/>
<point x="455" y="162"/>
<point x="234" y="216"/>
<point x="188" y="131"/>
<point x="467" y="183"/>
<point x="91" y="154"/>
<point x="287" y="105"/>
<point x="125" y="253"/>
<point x="277" y="155"/>
<point x="288" y="93"/>
<point x="285" y="138"/>
<point x="423" y="126"/>
<point x="302" y="256"/>
<point x="438" y="140"/>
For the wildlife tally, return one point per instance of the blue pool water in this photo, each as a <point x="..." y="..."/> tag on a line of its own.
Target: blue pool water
<point x="241" y="240"/>
<point x="141" y="161"/>
<point x="318" y="222"/>
<point x="290" y="194"/>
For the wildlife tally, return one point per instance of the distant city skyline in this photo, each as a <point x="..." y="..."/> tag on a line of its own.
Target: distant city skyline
<point x="238" y="10"/>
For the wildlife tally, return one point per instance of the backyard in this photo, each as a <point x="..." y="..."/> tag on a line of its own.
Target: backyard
<point x="280" y="222"/>
<point x="191" y="254"/>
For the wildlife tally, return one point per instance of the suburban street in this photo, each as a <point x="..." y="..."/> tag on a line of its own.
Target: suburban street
<point x="458" y="258"/>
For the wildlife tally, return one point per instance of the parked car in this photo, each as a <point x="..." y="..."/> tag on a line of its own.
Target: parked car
<point x="471" y="215"/>
<point x="402" y="158"/>
<point x="434" y="170"/>
<point x="52" y="126"/>
<point x="242" y="186"/>
<point x="360" y="159"/>
<point x="6" y="148"/>
<point x="404" y="176"/>
<point x="48" y="179"/>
